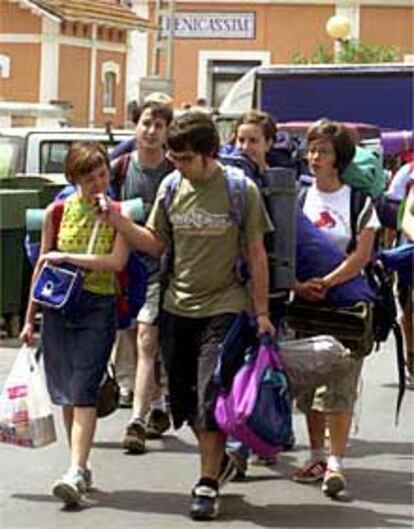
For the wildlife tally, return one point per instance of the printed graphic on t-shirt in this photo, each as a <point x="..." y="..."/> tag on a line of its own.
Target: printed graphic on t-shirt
<point x="200" y="222"/>
<point x="325" y="220"/>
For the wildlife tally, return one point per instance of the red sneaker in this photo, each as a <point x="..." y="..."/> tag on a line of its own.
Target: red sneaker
<point x="311" y="472"/>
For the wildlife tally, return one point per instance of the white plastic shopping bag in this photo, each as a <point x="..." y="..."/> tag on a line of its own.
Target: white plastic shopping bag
<point x="26" y="417"/>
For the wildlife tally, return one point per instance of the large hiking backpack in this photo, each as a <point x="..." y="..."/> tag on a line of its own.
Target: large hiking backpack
<point x="365" y="173"/>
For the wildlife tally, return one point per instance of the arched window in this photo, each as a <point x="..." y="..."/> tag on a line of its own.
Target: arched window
<point x="110" y="79"/>
<point x="4" y="66"/>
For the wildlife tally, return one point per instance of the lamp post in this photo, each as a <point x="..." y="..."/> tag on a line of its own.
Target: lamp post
<point x="338" y="27"/>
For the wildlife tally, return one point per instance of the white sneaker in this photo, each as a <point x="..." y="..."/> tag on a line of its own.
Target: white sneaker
<point x="70" y="487"/>
<point x="87" y="476"/>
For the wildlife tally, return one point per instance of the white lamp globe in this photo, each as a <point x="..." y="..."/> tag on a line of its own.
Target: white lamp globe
<point x="338" y="27"/>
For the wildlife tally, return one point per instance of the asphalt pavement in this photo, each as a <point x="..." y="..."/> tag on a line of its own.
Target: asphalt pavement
<point x="151" y="491"/>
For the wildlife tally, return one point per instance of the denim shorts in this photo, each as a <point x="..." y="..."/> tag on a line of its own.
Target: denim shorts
<point x="190" y="348"/>
<point x="76" y="349"/>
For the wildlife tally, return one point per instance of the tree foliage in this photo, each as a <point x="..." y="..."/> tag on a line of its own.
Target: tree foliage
<point x="351" y="51"/>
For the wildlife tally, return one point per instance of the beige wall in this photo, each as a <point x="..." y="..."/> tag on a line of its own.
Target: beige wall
<point x="13" y="19"/>
<point x="380" y="25"/>
<point x="283" y="30"/>
<point x="74" y="81"/>
<point x="23" y="83"/>
<point x="280" y="29"/>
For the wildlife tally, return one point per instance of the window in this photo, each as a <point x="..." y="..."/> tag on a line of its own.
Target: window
<point x="10" y="156"/>
<point x="52" y="156"/>
<point x="110" y="79"/>
<point x="109" y="90"/>
<point x="4" y="66"/>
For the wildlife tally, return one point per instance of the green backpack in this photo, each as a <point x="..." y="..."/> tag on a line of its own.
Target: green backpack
<point x="365" y="173"/>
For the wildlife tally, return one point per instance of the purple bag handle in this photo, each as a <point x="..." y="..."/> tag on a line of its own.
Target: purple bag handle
<point x="273" y="350"/>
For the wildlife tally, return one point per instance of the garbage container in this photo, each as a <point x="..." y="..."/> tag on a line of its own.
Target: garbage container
<point x="13" y="205"/>
<point x="47" y="188"/>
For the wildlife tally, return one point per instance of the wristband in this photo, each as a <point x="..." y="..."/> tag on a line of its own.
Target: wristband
<point x="267" y="314"/>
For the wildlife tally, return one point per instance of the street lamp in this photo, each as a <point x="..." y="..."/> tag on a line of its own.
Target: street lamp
<point x="339" y="28"/>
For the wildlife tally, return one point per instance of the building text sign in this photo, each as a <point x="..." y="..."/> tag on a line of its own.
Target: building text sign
<point x="190" y="25"/>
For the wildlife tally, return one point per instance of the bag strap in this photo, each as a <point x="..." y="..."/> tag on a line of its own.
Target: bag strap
<point x="94" y="236"/>
<point x="236" y="183"/>
<point x="400" y="367"/>
<point x="57" y="214"/>
<point x="120" y="173"/>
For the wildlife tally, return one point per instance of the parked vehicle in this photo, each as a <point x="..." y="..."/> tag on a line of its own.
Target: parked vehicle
<point x="380" y="94"/>
<point x="34" y="151"/>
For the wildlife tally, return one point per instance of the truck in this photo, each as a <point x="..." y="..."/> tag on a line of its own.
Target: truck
<point x="42" y="151"/>
<point x="377" y="94"/>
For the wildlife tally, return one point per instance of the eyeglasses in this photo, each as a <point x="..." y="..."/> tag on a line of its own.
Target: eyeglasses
<point x="322" y="152"/>
<point x="184" y="158"/>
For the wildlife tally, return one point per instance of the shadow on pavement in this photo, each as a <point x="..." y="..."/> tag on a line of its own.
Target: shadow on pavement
<point x="167" y="443"/>
<point x="381" y="486"/>
<point x="361" y="448"/>
<point x="235" y="508"/>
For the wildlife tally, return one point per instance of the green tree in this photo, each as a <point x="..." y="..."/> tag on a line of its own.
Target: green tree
<point x="351" y="51"/>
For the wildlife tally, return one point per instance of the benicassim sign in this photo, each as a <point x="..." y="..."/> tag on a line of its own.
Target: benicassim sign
<point x="212" y="25"/>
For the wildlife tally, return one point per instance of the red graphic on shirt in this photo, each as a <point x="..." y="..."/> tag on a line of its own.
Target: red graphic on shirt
<point x="325" y="220"/>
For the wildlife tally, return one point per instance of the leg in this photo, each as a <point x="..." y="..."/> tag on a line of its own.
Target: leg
<point x="147" y="345"/>
<point x="67" y="414"/>
<point x="78" y="478"/>
<point x="339" y="425"/>
<point x="124" y="356"/>
<point x="212" y="332"/>
<point x="339" y="405"/>
<point x="83" y="431"/>
<point x="315" y="467"/>
<point x="211" y="445"/>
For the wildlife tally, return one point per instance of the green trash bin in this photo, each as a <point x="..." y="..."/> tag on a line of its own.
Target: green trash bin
<point x="13" y="205"/>
<point x="47" y="188"/>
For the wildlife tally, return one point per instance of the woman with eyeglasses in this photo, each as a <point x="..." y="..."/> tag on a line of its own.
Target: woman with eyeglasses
<point x="328" y="205"/>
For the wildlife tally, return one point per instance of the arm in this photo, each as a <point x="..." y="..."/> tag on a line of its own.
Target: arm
<point x="141" y="238"/>
<point x="112" y="262"/>
<point x="258" y="266"/>
<point x="355" y="261"/>
<point x="47" y="242"/>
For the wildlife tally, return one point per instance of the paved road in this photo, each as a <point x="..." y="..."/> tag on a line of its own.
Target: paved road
<point x="152" y="491"/>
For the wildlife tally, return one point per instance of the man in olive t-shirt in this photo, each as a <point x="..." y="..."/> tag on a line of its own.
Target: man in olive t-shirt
<point x="204" y="295"/>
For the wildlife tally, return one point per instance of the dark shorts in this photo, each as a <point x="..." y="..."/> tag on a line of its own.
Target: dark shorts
<point x="76" y="349"/>
<point x="190" y="350"/>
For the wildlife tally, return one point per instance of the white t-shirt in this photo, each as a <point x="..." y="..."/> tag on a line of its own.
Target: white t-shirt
<point x="331" y="212"/>
<point x="398" y="186"/>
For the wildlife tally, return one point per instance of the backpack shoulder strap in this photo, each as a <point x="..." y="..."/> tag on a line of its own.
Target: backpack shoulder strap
<point x="302" y="193"/>
<point x="358" y="199"/>
<point x="57" y="214"/>
<point x="236" y="183"/>
<point x="121" y="166"/>
<point x="171" y="183"/>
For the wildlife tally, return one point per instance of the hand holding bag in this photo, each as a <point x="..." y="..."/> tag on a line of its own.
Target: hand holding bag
<point x="26" y="417"/>
<point x="58" y="285"/>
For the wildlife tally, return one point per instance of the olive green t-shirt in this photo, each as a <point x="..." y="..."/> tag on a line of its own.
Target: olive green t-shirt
<point x="206" y="243"/>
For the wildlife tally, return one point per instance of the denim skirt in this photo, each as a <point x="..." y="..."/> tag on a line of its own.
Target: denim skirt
<point x="76" y="349"/>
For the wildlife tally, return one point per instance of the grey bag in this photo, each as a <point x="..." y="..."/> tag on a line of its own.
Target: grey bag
<point x="311" y="362"/>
